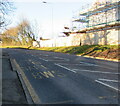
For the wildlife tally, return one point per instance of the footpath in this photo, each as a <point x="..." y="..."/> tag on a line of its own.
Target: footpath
<point x="12" y="91"/>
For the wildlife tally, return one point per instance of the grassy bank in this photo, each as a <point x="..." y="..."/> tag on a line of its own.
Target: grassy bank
<point x="103" y="51"/>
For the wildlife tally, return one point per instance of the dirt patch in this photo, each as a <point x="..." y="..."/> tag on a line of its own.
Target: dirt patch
<point x="109" y="54"/>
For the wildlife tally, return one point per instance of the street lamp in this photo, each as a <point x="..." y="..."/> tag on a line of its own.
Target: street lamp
<point x="44" y="2"/>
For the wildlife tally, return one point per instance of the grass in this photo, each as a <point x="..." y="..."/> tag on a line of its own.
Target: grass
<point x="77" y="50"/>
<point x="14" y="47"/>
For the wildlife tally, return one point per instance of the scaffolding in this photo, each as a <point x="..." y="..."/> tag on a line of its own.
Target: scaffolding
<point x="100" y="14"/>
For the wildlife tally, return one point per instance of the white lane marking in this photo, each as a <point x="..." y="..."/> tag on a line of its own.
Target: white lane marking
<point x="96" y="65"/>
<point x="95" y="71"/>
<point x="68" y="64"/>
<point x="56" y="60"/>
<point x="73" y="64"/>
<point x="65" y="68"/>
<point x="43" y="59"/>
<point x="107" y="85"/>
<point x="89" y="64"/>
<point x="108" y="80"/>
<point x="45" y="55"/>
<point x="62" y="58"/>
<point x="58" y="57"/>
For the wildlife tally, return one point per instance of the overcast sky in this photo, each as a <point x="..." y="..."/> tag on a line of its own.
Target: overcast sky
<point x="50" y="17"/>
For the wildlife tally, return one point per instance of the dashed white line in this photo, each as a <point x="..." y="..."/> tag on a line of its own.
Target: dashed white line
<point x="108" y="80"/>
<point x="89" y="64"/>
<point x="45" y="55"/>
<point x="73" y="64"/>
<point x="107" y="85"/>
<point x="56" y="60"/>
<point x="65" y="68"/>
<point x="95" y="71"/>
<point x="61" y="58"/>
<point x="43" y="59"/>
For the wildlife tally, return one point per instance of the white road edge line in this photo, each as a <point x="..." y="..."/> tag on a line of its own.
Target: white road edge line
<point x="65" y="68"/>
<point x="108" y="80"/>
<point x="107" y="85"/>
<point x="96" y="71"/>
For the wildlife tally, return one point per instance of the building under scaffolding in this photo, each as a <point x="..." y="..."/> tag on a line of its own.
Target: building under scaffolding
<point x="101" y="23"/>
<point x="101" y="14"/>
<point x="97" y="25"/>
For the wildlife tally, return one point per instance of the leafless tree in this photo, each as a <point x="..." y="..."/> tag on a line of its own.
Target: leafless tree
<point x="5" y="8"/>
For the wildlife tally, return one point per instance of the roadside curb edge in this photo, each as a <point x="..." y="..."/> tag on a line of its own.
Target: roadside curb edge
<point x="114" y="60"/>
<point x="30" y="94"/>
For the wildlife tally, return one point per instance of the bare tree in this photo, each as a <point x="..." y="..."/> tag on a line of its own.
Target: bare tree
<point x="5" y="8"/>
<point x="21" y="35"/>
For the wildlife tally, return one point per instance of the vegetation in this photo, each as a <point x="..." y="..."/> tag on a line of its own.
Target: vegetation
<point x="102" y="51"/>
<point x="21" y="35"/>
<point x="78" y="50"/>
<point x="5" y="8"/>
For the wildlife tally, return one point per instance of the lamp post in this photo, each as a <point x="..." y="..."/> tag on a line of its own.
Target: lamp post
<point x="44" y="2"/>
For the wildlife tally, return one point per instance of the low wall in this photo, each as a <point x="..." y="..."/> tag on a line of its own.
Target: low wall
<point x="73" y="40"/>
<point x="106" y="37"/>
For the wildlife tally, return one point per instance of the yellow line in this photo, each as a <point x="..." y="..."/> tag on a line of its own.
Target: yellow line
<point x="116" y="60"/>
<point x="43" y="66"/>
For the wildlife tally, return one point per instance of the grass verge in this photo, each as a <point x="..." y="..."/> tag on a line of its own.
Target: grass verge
<point x="103" y="51"/>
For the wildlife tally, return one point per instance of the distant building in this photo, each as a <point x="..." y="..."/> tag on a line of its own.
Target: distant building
<point x="102" y="12"/>
<point x="102" y="22"/>
<point x="98" y="25"/>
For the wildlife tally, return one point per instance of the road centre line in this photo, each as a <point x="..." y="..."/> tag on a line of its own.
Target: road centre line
<point x="107" y="85"/>
<point x="96" y="71"/>
<point x="108" y="80"/>
<point x="65" y="68"/>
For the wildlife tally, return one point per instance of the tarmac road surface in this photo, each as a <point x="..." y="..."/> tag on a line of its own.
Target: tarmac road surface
<point x="59" y="78"/>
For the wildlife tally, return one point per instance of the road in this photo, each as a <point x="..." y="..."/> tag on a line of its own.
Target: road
<point x="59" y="78"/>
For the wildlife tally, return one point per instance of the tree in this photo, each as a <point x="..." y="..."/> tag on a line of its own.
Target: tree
<point x="5" y="8"/>
<point x="22" y="34"/>
<point x="25" y="32"/>
<point x="10" y="37"/>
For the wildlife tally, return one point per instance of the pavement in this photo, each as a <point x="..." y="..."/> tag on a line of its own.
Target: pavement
<point x="12" y="91"/>
<point x="57" y="78"/>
